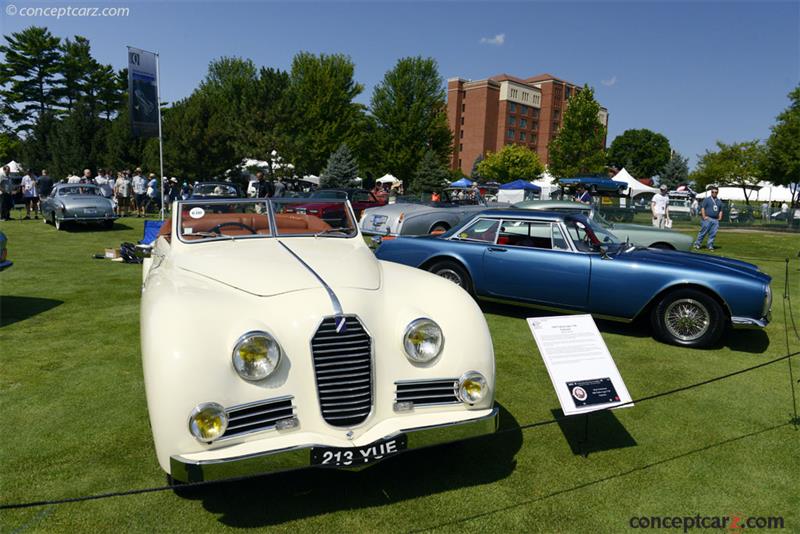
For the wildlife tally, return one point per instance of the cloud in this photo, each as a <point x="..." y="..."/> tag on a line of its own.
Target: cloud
<point x="610" y="83"/>
<point x="497" y="40"/>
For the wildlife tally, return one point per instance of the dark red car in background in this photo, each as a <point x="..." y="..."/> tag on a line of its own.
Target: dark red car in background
<point x="331" y="212"/>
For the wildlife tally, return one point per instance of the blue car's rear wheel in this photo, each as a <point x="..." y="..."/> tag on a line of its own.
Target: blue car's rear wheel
<point x="689" y="318"/>
<point x="450" y="270"/>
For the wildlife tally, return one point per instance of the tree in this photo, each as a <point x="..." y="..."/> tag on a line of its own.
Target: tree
<point x="78" y="142"/>
<point x="475" y="174"/>
<point x="512" y="162"/>
<point x="675" y="172"/>
<point x="410" y="110"/>
<point x="782" y="158"/>
<point x="642" y="152"/>
<point x="10" y="147"/>
<point x="431" y="175"/>
<point x="736" y="165"/>
<point x="341" y="170"/>
<point x="324" y="115"/>
<point x="578" y="147"/>
<point x="28" y="76"/>
<point x="75" y="66"/>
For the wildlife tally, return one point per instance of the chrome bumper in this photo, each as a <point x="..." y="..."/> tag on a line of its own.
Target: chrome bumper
<point x="748" y="323"/>
<point x="185" y="470"/>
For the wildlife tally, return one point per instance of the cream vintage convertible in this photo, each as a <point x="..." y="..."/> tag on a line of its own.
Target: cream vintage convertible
<point x="273" y="341"/>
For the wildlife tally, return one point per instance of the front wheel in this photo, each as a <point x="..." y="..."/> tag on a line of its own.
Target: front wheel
<point x="450" y="270"/>
<point x="688" y="318"/>
<point x="57" y="223"/>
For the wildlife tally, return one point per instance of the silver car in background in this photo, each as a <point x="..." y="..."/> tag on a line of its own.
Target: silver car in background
<point x="418" y="217"/>
<point x="77" y="203"/>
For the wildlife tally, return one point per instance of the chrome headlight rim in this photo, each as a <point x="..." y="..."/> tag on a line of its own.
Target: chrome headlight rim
<point x="217" y="407"/>
<point x="412" y="326"/>
<point x="247" y="336"/>
<point x="767" y="306"/>
<point x="474" y="376"/>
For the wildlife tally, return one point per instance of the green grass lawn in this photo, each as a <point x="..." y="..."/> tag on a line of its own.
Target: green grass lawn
<point x="73" y="402"/>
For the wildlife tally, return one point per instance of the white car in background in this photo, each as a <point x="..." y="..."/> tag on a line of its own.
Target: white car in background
<point x="273" y="341"/>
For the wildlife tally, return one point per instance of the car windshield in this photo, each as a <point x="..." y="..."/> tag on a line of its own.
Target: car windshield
<point x="589" y="234"/>
<point x="328" y="194"/>
<point x="216" y="190"/>
<point x="246" y="219"/>
<point x="78" y="190"/>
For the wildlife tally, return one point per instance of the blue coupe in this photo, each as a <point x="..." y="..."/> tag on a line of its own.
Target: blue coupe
<point x="569" y="263"/>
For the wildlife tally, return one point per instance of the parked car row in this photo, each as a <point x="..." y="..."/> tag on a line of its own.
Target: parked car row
<point x="273" y="338"/>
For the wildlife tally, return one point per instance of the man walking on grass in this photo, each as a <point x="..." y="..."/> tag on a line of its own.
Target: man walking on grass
<point x="659" y="206"/>
<point x="711" y="214"/>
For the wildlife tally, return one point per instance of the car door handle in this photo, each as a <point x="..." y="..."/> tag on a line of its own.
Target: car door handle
<point x="497" y="249"/>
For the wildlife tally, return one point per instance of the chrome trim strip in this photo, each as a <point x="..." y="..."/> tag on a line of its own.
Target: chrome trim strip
<point x="744" y="323"/>
<point x="337" y="306"/>
<point x="291" y="458"/>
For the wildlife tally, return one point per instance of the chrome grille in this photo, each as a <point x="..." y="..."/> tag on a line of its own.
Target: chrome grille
<point x="257" y="416"/>
<point x="427" y="392"/>
<point x="343" y="367"/>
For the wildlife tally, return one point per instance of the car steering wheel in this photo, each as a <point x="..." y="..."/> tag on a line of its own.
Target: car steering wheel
<point x="243" y="226"/>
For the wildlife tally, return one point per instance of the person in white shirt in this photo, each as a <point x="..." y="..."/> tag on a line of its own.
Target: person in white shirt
<point x="139" y="192"/>
<point x="74" y="179"/>
<point x="30" y="195"/>
<point x="660" y="207"/>
<point x="101" y="178"/>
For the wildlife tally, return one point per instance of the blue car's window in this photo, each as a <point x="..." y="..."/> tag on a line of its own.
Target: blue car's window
<point x="531" y="234"/>
<point x="480" y="230"/>
<point x="559" y="241"/>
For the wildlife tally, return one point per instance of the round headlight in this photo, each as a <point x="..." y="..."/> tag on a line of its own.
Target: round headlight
<point x="256" y="356"/>
<point x="208" y="421"/>
<point x="472" y="387"/>
<point x="423" y="340"/>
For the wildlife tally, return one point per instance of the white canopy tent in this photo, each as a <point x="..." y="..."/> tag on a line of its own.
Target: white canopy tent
<point x="732" y="193"/>
<point x="635" y="187"/>
<point x="13" y="167"/>
<point x="387" y="179"/>
<point x="545" y="181"/>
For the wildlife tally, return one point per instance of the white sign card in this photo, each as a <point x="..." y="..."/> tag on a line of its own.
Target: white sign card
<point x="583" y="373"/>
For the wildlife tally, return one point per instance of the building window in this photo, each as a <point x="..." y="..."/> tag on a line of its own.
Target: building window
<point x="510" y="133"/>
<point x="512" y="121"/>
<point x="534" y="139"/>
<point x="523" y="123"/>
<point x="459" y="162"/>
<point x="523" y="109"/>
<point x="535" y="113"/>
<point x="463" y="107"/>
<point x="462" y="121"/>
<point x="461" y="134"/>
<point x="534" y="125"/>
<point x="512" y="107"/>
<point x="522" y="136"/>
<point x="556" y="114"/>
<point x="555" y="126"/>
<point x="567" y="93"/>
<point x="460" y="147"/>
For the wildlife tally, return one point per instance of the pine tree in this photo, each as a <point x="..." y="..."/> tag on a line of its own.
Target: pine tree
<point x="431" y="174"/>
<point x="577" y="149"/>
<point x="341" y="170"/>
<point x="675" y="172"/>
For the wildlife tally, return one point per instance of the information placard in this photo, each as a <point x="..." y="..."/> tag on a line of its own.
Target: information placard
<point x="580" y="366"/>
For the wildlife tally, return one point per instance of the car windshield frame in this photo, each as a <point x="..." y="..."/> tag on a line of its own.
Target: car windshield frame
<point x="269" y="205"/>
<point x="88" y="190"/>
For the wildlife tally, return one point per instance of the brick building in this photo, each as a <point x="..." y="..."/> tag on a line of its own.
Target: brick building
<point x="485" y="115"/>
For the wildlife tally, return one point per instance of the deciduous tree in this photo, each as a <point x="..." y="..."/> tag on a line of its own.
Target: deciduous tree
<point x="642" y="152"/>
<point x="736" y="165"/>
<point x="577" y="149"/>
<point x="512" y="162"/>
<point x="782" y="159"/>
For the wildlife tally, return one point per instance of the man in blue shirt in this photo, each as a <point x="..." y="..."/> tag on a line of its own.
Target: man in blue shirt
<point x="711" y="214"/>
<point x="582" y="195"/>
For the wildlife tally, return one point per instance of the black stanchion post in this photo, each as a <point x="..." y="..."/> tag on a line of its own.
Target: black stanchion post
<point x="786" y="299"/>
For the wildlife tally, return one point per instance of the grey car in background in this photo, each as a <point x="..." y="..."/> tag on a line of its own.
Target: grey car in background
<point x="638" y="234"/>
<point x="417" y="217"/>
<point x="77" y="203"/>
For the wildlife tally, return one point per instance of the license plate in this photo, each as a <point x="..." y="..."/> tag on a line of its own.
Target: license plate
<point x="90" y="211"/>
<point x="352" y="456"/>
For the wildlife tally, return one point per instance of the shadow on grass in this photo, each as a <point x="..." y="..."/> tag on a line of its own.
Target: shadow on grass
<point x="79" y="228"/>
<point x="604" y="432"/>
<point x="276" y="499"/>
<point x="750" y="341"/>
<point x="15" y="309"/>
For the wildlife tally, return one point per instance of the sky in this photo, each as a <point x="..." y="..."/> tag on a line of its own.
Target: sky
<point x="696" y="72"/>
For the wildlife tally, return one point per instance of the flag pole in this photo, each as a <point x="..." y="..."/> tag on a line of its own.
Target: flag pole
<point x="160" y="139"/>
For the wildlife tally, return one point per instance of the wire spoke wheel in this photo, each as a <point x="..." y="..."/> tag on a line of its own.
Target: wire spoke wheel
<point x="450" y="274"/>
<point x="687" y="319"/>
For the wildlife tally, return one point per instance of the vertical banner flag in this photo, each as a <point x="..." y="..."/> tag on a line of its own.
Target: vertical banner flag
<point x="142" y="92"/>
